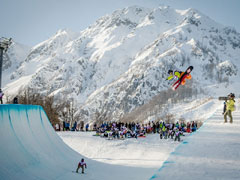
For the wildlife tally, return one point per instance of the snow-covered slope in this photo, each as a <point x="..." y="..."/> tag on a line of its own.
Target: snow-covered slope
<point x="30" y="145"/>
<point x="121" y="61"/>
<point x="32" y="150"/>
<point x="15" y="55"/>
<point x="210" y="153"/>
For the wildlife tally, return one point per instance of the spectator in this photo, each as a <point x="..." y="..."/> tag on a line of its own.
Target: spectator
<point x="87" y="126"/>
<point x="15" y="100"/>
<point x="94" y="127"/>
<point x="157" y="126"/>
<point x="154" y="127"/>
<point x="74" y="126"/>
<point x="81" y="125"/>
<point x="1" y="96"/>
<point x="189" y="128"/>
<point x="161" y="133"/>
<point x="57" y="127"/>
<point x="177" y="135"/>
<point x="64" y="126"/>
<point x="67" y="126"/>
<point x="194" y="126"/>
<point x="164" y="130"/>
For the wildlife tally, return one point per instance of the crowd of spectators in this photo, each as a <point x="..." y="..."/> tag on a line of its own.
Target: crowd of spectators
<point x="120" y="130"/>
<point x="134" y="130"/>
<point x="67" y="126"/>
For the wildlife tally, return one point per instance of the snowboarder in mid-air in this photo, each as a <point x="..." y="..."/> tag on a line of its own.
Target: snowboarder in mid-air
<point x="181" y="76"/>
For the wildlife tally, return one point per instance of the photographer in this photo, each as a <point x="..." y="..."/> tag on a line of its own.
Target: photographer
<point x="230" y="107"/>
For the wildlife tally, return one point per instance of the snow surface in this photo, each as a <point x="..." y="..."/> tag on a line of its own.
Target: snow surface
<point x="210" y="153"/>
<point x="207" y="144"/>
<point x="141" y="152"/>
<point x="30" y="149"/>
<point x="147" y="152"/>
<point x="16" y="54"/>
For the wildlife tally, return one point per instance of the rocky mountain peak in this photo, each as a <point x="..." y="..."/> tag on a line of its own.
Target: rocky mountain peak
<point x="120" y="62"/>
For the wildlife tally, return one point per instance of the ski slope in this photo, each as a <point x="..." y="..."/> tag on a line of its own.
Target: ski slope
<point x="30" y="149"/>
<point x="210" y="153"/>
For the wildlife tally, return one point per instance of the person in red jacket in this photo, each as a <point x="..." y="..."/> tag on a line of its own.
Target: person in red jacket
<point x="81" y="164"/>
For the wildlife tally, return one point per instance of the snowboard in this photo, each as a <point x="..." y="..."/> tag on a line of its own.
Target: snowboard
<point x="179" y="81"/>
<point x="78" y="172"/>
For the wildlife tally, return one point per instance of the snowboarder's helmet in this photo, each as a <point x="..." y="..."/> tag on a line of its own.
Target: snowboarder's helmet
<point x="170" y="71"/>
<point x="190" y="68"/>
<point x="232" y="95"/>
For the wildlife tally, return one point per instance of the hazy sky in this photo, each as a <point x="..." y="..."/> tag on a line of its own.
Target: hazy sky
<point x="33" y="21"/>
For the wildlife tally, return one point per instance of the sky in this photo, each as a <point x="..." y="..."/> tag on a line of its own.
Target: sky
<point x="30" y="22"/>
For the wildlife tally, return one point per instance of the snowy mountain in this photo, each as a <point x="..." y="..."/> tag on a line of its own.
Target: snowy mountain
<point x="12" y="60"/>
<point x="121" y="62"/>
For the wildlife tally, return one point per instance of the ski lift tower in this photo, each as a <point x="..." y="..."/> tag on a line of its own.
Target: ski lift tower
<point x="4" y="44"/>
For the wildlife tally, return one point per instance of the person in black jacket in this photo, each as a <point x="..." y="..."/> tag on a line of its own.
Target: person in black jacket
<point x="1" y="96"/>
<point x="15" y="100"/>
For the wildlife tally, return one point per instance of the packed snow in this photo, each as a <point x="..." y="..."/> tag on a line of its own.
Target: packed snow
<point x="149" y="152"/>
<point x="210" y="153"/>
<point x="33" y="149"/>
<point x="205" y="153"/>
<point x="141" y="152"/>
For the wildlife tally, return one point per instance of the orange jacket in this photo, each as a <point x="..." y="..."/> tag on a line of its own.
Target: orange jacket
<point x="187" y="77"/>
